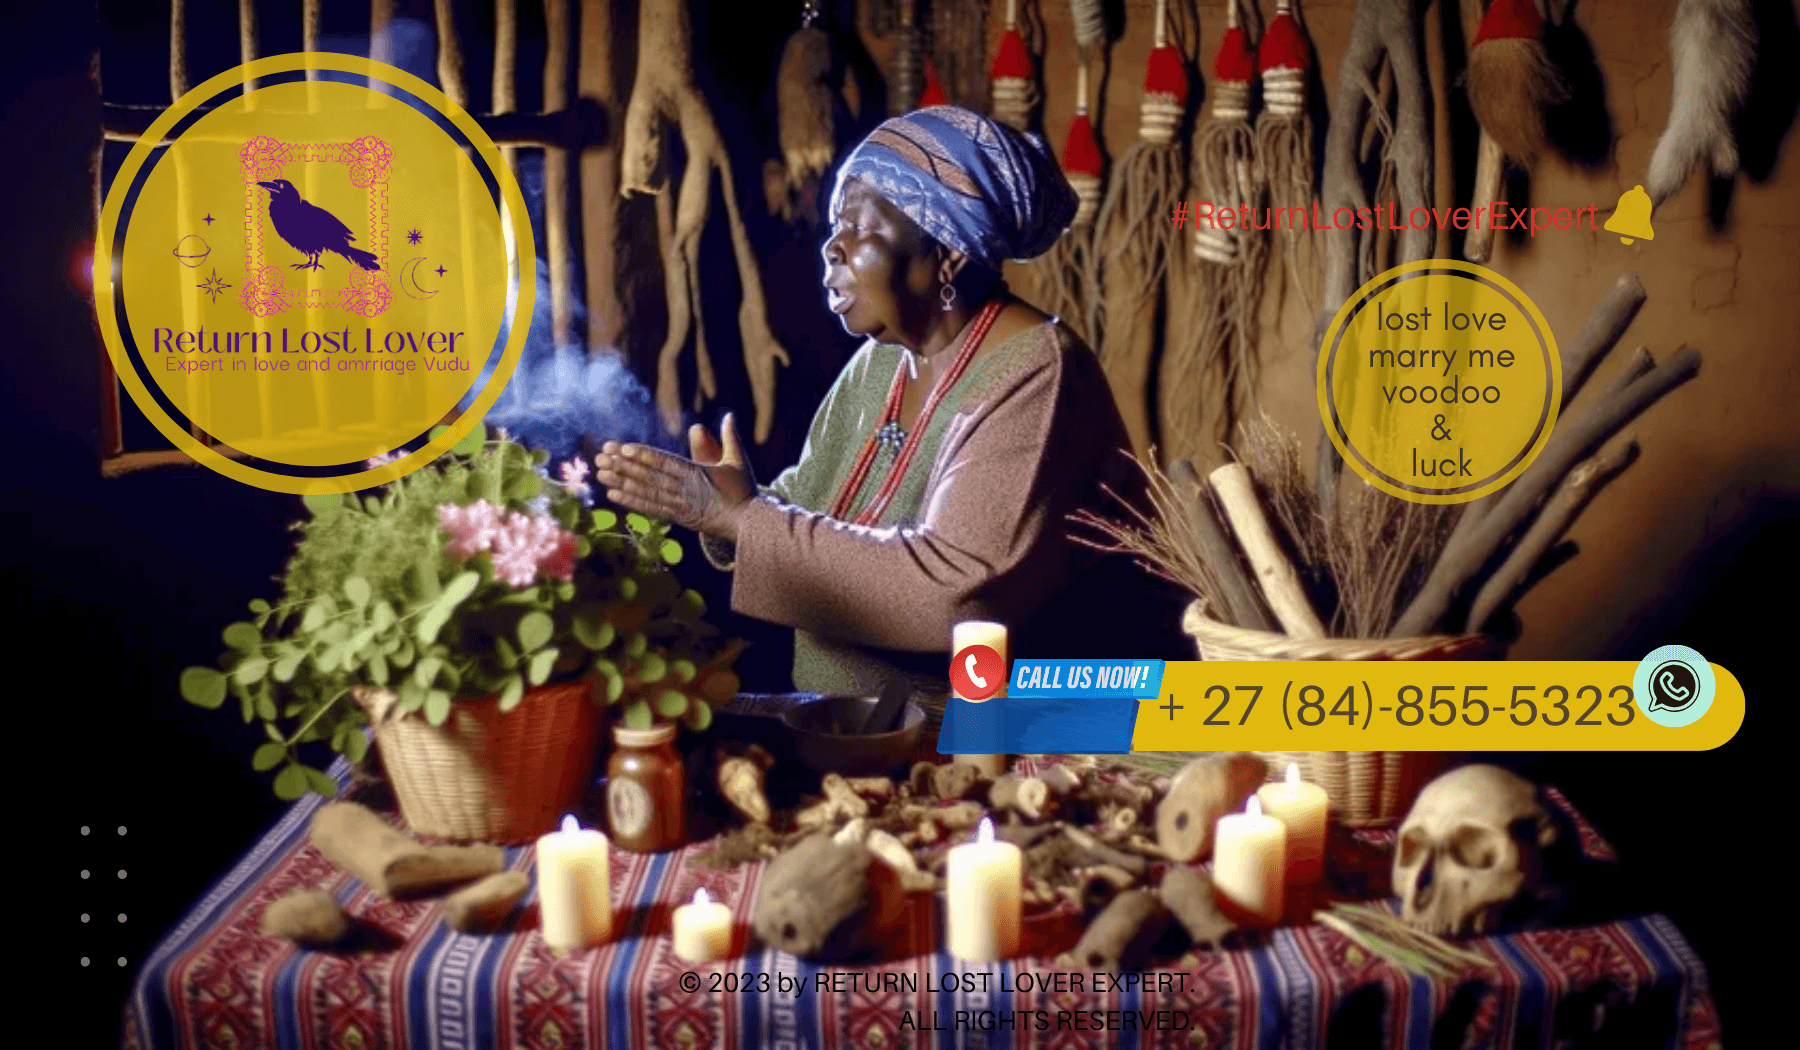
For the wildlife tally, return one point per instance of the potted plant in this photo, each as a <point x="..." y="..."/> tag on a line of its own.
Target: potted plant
<point x="481" y="617"/>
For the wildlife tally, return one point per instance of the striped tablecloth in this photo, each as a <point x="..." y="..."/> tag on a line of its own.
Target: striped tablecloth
<point x="215" y="981"/>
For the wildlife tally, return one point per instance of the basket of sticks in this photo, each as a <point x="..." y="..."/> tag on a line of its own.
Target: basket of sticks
<point x="1286" y="568"/>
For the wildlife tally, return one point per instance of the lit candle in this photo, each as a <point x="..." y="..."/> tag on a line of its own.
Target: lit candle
<point x="1249" y="854"/>
<point x="574" y="887"/>
<point x="981" y="890"/>
<point x="992" y="635"/>
<point x="1301" y="808"/>
<point x="702" y="929"/>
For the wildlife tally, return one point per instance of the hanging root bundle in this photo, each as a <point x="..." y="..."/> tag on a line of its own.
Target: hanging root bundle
<point x="1713" y="46"/>
<point x="906" y="71"/>
<point x="1512" y="80"/>
<point x="1224" y="286"/>
<point x="804" y="101"/>
<point x="1284" y="134"/>
<point x="1136" y="238"/>
<point x="1013" y="80"/>
<point x="1089" y="19"/>
<point x="665" y="90"/>
<point x="1062" y="279"/>
<point x="956" y="45"/>
<point x="1383" y="33"/>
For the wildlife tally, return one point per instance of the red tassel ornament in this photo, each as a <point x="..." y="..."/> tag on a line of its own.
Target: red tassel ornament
<point x="1013" y="79"/>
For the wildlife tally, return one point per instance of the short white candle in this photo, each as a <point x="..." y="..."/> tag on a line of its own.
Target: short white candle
<point x="982" y="883"/>
<point x="1301" y="808"/>
<point x="993" y="635"/>
<point x="1249" y="861"/>
<point x="702" y="929"/>
<point x="574" y="878"/>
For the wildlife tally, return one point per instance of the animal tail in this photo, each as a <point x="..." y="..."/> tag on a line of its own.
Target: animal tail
<point x="366" y="260"/>
<point x="1713" y="45"/>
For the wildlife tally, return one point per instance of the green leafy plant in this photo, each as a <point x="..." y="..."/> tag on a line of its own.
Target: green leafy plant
<point x="473" y="578"/>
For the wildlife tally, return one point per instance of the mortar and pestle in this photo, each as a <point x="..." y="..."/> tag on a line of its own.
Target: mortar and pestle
<point x="857" y="735"/>
<point x="836" y="733"/>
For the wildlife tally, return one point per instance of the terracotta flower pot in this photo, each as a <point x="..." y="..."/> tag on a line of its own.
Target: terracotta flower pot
<point x="485" y="774"/>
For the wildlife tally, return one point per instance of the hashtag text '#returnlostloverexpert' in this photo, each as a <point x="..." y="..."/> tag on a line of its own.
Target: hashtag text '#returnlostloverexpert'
<point x="1496" y="216"/>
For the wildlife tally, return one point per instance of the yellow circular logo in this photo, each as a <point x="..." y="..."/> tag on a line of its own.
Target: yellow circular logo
<point x="312" y="258"/>
<point x="1439" y="381"/>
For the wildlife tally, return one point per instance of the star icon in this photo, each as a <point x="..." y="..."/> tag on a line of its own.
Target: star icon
<point x="209" y="219"/>
<point x="440" y="271"/>
<point x="213" y="285"/>
<point x="413" y="236"/>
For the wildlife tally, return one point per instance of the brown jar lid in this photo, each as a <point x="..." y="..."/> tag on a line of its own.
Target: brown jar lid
<point x="659" y="734"/>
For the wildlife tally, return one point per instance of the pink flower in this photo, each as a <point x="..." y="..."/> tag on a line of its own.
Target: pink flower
<point x="471" y="528"/>
<point x="383" y="460"/>
<point x="573" y="477"/>
<point x="522" y="545"/>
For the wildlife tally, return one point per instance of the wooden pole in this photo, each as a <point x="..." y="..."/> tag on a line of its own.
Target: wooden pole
<point x="557" y="228"/>
<point x="450" y="54"/>
<point x="600" y="180"/>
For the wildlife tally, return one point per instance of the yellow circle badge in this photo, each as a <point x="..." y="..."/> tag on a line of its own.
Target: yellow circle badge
<point x="313" y="258"/>
<point x="1439" y="381"/>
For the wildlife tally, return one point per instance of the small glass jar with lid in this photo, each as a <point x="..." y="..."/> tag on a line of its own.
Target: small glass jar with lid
<point x="646" y="788"/>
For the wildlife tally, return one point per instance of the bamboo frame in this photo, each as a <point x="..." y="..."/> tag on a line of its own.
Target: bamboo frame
<point x="574" y="129"/>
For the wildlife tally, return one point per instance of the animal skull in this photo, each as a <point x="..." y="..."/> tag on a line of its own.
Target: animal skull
<point x="1471" y="850"/>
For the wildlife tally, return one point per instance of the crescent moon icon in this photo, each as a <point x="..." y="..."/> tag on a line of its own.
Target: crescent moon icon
<point x="409" y="279"/>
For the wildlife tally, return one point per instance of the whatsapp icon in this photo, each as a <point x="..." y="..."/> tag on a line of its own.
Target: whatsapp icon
<point x="1673" y="686"/>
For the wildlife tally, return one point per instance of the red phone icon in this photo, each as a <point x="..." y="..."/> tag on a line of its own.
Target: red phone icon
<point x="977" y="672"/>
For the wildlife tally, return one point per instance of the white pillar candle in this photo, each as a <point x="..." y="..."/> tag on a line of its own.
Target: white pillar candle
<point x="574" y="879"/>
<point x="702" y="929"/>
<point x="992" y="635"/>
<point x="1249" y="861"/>
<point x="982" y="884"/>
<point x="1301" y="808"/>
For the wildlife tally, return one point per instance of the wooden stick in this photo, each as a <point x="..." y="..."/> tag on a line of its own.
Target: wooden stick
<point x="1458" y="569"/>
<point x="1241" y="601"/>
<point x="1603" y="330"/>
<point x="1580" y="356"/>
<point x="1100" y="853"/>
<point x="1280" y="583"/>
<point x="1572" y="497"/>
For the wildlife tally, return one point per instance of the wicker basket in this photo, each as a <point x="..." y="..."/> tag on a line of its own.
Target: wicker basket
<point x="1363" y="788"/>
<point x="486" y="775"/>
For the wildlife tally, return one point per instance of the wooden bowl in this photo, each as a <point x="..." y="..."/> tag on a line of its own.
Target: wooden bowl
<point x="826" y="742"/>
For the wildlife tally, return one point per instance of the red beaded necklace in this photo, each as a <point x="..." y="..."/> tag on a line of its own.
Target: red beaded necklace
<point x="890" y="416"/>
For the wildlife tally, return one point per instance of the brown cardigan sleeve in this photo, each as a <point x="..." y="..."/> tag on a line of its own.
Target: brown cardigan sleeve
<point x="990" y="543"/>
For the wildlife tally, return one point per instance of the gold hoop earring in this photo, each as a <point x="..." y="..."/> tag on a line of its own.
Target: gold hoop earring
<point x="947" y="295"/>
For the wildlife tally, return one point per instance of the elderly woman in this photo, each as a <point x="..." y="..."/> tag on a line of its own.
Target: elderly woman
<point x="939" y="475"/>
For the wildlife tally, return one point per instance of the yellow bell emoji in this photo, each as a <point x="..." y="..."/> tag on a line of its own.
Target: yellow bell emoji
<point x="1632" y="217"/>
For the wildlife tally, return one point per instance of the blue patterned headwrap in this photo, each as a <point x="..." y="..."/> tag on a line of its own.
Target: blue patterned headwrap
<point x="975" y="185"/>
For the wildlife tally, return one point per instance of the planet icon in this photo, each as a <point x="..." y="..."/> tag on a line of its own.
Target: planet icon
<point x="192" y="250"/>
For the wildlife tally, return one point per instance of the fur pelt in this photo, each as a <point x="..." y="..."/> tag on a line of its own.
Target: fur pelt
<point x="1713" y="47"/>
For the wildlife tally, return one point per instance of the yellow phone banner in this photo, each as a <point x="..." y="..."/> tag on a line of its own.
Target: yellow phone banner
<point x="1440" y="706"/>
